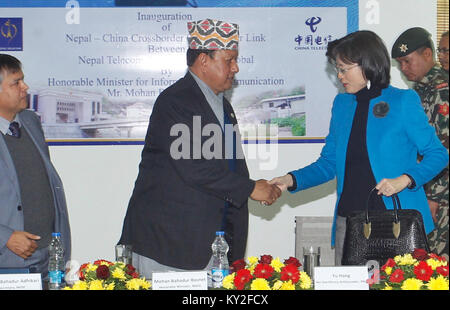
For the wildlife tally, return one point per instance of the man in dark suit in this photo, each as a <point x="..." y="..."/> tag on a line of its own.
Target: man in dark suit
<point x="32" y="200"/>
<point x="189" y="186"/>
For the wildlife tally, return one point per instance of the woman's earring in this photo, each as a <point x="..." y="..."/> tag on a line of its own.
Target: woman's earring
<point x="368" y="84"/>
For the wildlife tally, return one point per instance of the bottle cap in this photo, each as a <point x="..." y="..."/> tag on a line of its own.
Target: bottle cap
<point x="220" y="233"/>
<point x="56" y="234"/>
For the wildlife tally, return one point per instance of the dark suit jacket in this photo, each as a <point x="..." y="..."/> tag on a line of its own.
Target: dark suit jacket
<point x="178" y="204"/>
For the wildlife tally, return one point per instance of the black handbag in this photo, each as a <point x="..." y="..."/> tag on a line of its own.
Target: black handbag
<point x="382" y="235"/>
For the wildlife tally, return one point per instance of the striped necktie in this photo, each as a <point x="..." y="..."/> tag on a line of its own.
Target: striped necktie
<point x="14" y="129"/>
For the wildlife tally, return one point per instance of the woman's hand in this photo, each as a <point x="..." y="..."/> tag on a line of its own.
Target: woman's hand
<point x="283" y="182"/>
<point x="389" y="187"/>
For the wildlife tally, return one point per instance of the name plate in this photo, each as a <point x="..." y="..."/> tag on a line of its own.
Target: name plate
<point x="190" y="280"/>
<point x="28" y="281"/>
<point x="341" y="278"/>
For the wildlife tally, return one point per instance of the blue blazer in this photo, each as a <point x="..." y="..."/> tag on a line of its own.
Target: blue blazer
<point x="393" y="142"/>
<point x="11" y="218"/>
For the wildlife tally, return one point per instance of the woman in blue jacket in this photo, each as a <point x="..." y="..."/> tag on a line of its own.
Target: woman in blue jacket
<point x="375" y="135"/>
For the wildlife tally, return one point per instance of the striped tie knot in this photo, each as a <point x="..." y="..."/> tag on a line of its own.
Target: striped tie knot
<point x="14" y="129"/>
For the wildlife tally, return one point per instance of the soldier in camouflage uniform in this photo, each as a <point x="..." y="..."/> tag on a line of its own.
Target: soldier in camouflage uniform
<point x="414" y="52"/>
<point x="435" y="102"/>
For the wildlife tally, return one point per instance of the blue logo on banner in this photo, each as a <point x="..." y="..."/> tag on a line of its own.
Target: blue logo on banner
<point x="312" y="22"/>
<point x="310" y="40"/>
<point x="11" y="34"/>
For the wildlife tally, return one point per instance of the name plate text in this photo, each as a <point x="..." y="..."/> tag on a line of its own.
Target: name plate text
<point x="21" y="281"/>
<point x="341" y="278"/>
<point x="191" y="280"/>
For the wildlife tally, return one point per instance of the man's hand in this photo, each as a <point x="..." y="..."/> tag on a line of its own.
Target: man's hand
<point x="22" y="243"/>
<point x="265" y="193"/>
<point x="434" y="207"/>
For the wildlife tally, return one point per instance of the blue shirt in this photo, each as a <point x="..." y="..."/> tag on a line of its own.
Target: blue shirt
<point x="215" y="101"/>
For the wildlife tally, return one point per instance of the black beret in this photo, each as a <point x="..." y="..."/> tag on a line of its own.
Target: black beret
<point x="409" y="41"/>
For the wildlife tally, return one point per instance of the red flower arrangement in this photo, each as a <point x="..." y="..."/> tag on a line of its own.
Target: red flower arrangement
<point x="419" y="270"/>
<point x="266" y="273"/>
<point x="106" y="275"/>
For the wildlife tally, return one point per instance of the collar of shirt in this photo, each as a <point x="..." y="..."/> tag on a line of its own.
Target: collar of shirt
<point x="430" y="76"/>
<point x="214" y="101"/>
<point x="4" y="124"/>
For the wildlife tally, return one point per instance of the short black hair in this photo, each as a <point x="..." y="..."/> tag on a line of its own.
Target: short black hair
<point x="366" y="49"/>
<point x="191" y="55"/>
<point x="9" y="64"/>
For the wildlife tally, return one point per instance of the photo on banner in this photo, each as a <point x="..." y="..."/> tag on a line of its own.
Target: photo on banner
<point x="96" y="68"/>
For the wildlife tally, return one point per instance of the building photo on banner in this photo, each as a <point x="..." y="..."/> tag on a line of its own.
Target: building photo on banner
<point x="94" y="70"/>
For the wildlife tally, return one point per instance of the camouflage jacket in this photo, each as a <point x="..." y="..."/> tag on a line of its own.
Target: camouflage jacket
<point x="433" y="91"/>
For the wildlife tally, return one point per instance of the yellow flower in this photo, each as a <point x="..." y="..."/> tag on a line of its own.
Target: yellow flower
<point x="283" y="286"/>
<point x="439" y="283"/>
<point x="144" y="283"/>
<point x="388" y="270"/>
<point x="305" y="280"/>
<point x="96" y="285"/>
<point x="119" y="274"/>
<point x="91" y="267"/>
<point x="133" y="284"/>
<point x="387" y="287"/>
<point x="277" y="264"/>
<point x="80" y="285"/>
<point x="406" y="259"/>
<point x="287" y="286"/>
<point x="434" y="263"/>
<point x="252" y="260"/>
<point x="110" y="287"/>
<point x="228" y="281"/>
<point x="260" y="284"/>
<point x="412" y="284"/>
<point x="137" y="284"/>
<point x="277" y="285"/>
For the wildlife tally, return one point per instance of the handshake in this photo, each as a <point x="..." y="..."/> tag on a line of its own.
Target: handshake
<point x="267" y="192"/>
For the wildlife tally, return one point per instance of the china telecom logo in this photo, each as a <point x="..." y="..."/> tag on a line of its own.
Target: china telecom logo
<point x="309" y="39"/>
<point x="312" y="22"/>
<point x="11" y="34"/>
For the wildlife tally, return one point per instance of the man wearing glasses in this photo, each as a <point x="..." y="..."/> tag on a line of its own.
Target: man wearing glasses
<point x="443" y="51"/>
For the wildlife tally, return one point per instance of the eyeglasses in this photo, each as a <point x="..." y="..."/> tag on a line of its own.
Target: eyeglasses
<point x="344" y="70"/>
<point x="442" y="50"/>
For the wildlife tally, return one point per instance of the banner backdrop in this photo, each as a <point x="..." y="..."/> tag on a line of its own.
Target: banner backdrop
<point x="95" y="72"/>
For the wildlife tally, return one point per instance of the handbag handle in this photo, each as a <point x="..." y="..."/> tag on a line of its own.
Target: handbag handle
<point x="396" y="223"/>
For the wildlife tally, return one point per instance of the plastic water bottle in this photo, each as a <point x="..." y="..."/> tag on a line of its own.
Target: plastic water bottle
<point x="219" y="261"/>
<point x="56" y="262"/>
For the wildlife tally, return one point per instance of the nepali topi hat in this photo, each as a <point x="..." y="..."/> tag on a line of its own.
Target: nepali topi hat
<point x="409" y="41"/>
<point x="210" y="34"/>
